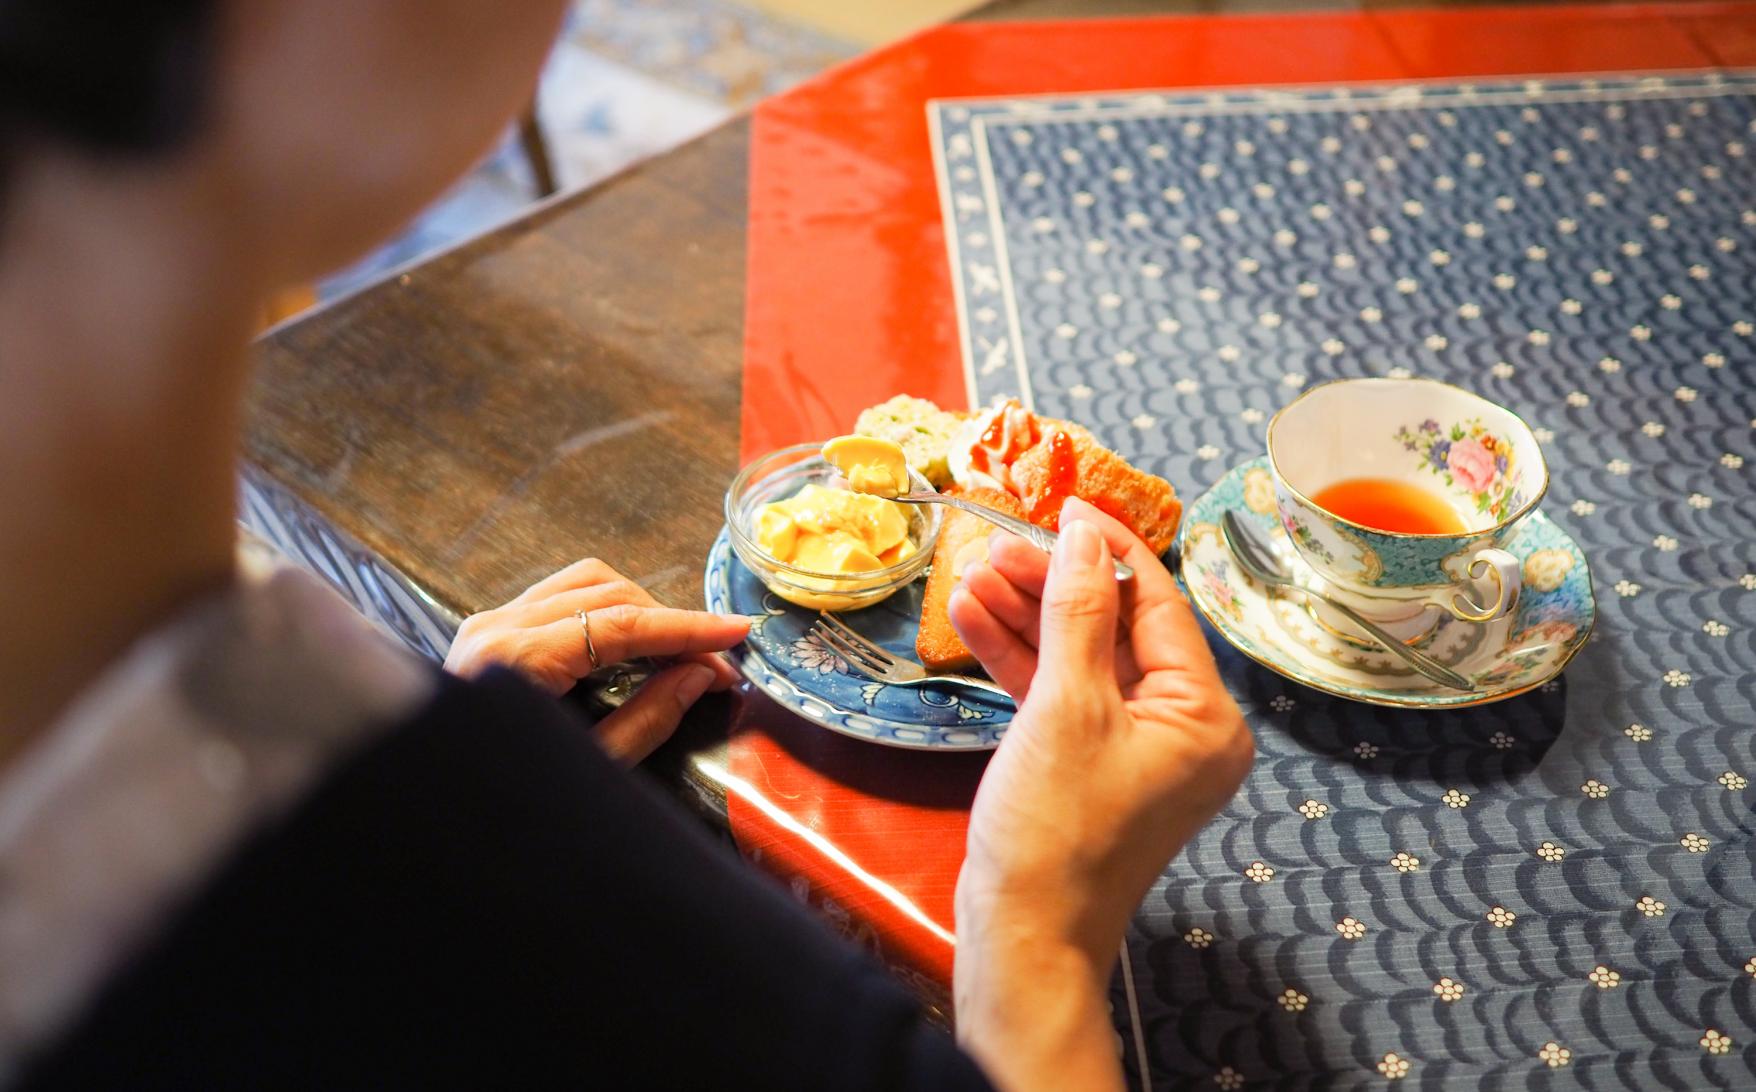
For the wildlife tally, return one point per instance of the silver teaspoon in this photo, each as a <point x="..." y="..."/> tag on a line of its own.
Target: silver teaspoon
<point x="1263" y="565"/>
<point x="1030" y="532"/>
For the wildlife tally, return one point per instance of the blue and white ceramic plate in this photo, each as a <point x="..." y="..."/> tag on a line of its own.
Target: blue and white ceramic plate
<point x="810" y="679"/>
<point x="1275" y="628"/>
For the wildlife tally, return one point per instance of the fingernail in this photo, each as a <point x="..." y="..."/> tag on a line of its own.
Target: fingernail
<point x="1078" y="546"/>
<point x="748" y="619"/>
<point x="693" y="683"/>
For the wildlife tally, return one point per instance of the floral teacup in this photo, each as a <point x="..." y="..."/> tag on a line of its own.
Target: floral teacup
<point x="1475" y="456"/>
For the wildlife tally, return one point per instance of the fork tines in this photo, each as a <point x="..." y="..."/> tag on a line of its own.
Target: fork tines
<point x="865" y="656"/>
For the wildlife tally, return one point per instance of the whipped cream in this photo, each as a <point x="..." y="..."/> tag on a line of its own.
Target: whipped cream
<point x="981" y="456"/>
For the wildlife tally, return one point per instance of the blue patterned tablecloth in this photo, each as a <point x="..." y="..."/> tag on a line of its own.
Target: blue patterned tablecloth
<point x="1553" y="891"/>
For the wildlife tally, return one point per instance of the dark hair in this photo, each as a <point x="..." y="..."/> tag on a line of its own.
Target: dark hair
<point x="106" y="76"/>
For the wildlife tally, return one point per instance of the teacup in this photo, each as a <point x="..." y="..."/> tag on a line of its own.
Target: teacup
<point x="1474" y="456"/>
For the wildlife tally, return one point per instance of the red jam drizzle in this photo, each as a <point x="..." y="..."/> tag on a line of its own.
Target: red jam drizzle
<point x="1058" y="483"/>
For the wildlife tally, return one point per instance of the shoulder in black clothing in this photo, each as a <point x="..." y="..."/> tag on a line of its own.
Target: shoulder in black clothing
<point x="481" y="899"/>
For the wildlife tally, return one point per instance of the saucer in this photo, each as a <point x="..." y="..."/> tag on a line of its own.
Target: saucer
<point x="1275" y="627"/>
<point x="807" y="677"/>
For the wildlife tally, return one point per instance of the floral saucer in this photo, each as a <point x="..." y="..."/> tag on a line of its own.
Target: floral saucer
<point x="1276" y="628"/>
<point x="808" y="678"/>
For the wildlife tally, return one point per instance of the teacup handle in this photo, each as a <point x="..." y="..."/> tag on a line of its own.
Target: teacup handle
<point x="1508" y="578"/>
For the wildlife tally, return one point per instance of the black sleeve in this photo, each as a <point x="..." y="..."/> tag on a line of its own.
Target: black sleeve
<point x="482" y="900"/>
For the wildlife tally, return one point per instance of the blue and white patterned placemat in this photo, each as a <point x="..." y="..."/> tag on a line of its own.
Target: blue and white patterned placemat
<point x="1556" y="891"/>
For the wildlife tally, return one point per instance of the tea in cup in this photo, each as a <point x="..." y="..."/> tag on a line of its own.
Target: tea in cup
<point x="1401" y="494"/>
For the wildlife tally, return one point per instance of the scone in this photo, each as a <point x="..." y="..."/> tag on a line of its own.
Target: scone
<point x="962" y="537"/>
<point x="1146" y="503"/>
<point x="919" y="427"/>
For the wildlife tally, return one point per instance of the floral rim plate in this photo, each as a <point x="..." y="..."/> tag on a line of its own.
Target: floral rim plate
<point x="807" y="678"/>
<point x="1508" y="656"/>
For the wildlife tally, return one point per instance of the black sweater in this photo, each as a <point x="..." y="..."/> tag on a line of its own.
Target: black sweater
<point x="481" y="899"/>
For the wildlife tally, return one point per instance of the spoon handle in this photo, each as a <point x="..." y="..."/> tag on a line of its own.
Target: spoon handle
<point x="1415" y="658"/>
<point x="1244" y="545"/>
<point x="1039" y="537"/>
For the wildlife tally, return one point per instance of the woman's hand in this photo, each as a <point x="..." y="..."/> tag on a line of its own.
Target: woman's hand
<point x="1125" y="744"/>
<point x="539" y="635"/>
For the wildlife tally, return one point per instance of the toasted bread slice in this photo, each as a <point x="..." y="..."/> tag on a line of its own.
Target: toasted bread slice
<point x="1145" y="502"/>
<point x="938" y="645"/>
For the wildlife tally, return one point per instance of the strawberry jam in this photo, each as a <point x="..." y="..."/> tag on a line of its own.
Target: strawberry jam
<point x="1058" y="483"/>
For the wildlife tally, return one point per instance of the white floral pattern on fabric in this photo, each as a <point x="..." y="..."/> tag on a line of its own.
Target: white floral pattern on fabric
<point x="1293" y="1001"/>
<point x="1650" y="907"/>
<point x="1405" y="862"/>
<point x="1500" y="917"/>
<point x="1555" y="1055"/>
<point x="1257" y="872"/>
<point x="1694" y="843"/>
<point x="1639" y="733"/>
<point x="1604" y="978"/>
<point x="1228" y="1079"/>
<point x="1351" y="928"/>
<point x="1733" y="781"/>
<point x="1549" y="851"/>
<point x="1393" y="1066"/>
<point x="1454" y="798"/>
<point x="1715" y="1043"/>
<point x="1595" y="789"/>
<point x="1198" y="938"/>
<point x="1448" y="989"/>
<point x="1313" y="809"/>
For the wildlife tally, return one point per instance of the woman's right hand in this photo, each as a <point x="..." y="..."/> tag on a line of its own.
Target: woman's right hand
<point x="1125" y="744"/>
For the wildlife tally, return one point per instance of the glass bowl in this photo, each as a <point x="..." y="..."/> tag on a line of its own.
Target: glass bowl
<point x="780" y="474"/>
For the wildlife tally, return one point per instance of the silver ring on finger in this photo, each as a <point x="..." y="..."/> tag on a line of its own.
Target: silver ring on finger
<point x="591" y="651"/>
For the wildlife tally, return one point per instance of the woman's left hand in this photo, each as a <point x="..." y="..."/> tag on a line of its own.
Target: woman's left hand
<point x="540" y="636"/>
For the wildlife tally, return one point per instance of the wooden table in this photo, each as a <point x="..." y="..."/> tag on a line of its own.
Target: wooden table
<point x="566" y="385"/>
<point x="572" y="384"/>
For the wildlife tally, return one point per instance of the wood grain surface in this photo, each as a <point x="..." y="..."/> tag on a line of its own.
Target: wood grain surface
<point x="565" y="386"/>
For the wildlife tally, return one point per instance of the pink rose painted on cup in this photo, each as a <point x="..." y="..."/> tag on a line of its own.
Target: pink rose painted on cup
<point x="1470" y="458"/>
<point x="1471" y="464"/>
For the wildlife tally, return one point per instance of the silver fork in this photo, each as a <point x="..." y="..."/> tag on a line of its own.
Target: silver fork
<point x="880" y="663"/>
